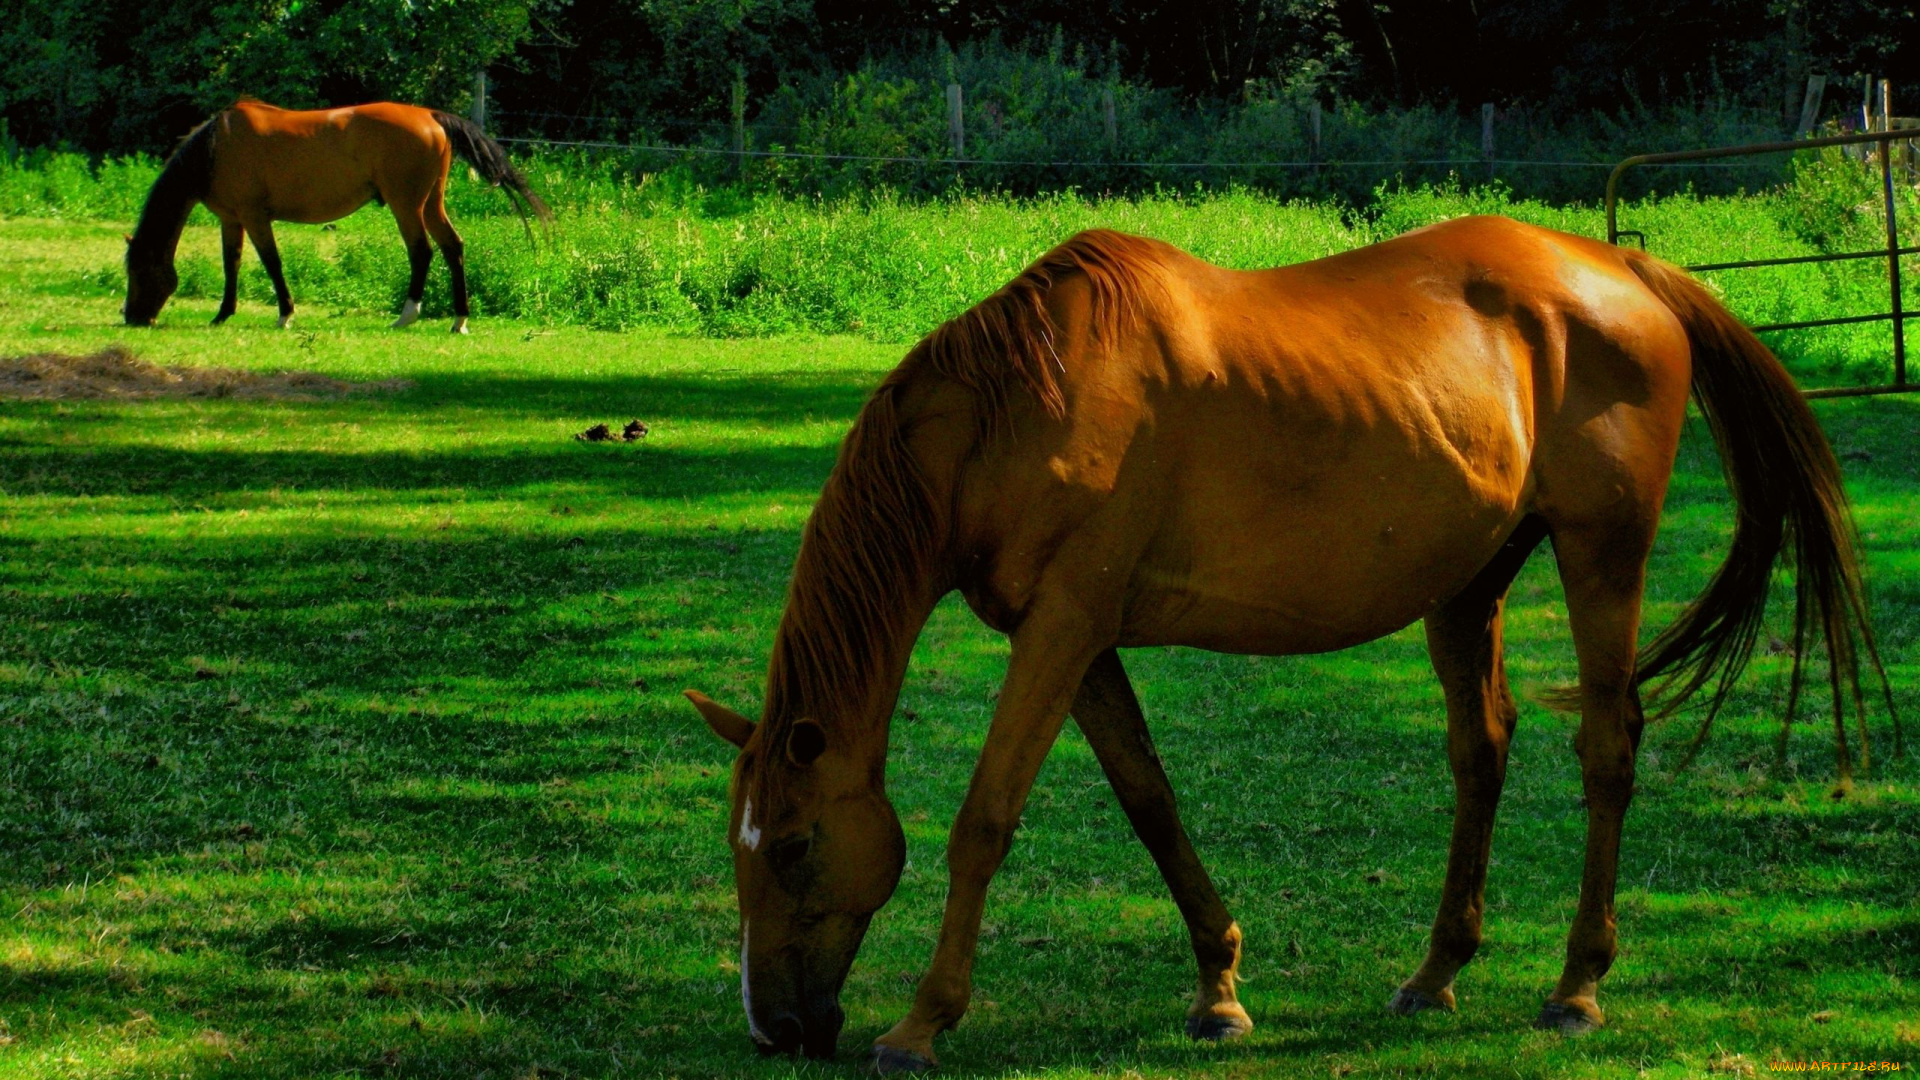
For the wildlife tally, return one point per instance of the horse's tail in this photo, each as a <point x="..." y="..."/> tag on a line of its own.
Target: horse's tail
<point x="1787" y="496"/>
<point x="490" y="160"/>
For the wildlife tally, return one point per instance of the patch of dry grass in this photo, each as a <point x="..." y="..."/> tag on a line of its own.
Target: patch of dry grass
<point x="115" y="373"/>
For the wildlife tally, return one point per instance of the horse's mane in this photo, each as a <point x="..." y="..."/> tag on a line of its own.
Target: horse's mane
<point x="183" y="180"/>
<point x="1007" y="340"/>
<point x="879" y="528"/>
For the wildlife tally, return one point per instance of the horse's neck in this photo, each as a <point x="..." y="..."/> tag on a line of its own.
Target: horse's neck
<point x="865" y="583"/>
<point x="164" y="218"/>
<point x="871" y="568"/>
<point x="182" y="182"/>
<point x="856" y="711"/>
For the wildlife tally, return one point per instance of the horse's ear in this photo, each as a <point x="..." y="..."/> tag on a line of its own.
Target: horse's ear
<point x="806" y="743"/>
<point x="725" y="723"/>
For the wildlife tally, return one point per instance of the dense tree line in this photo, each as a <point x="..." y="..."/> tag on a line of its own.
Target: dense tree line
<point x="118" y="75"/>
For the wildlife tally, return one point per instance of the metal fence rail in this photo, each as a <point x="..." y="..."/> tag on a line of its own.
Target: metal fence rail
<point x="1892" y="252"/>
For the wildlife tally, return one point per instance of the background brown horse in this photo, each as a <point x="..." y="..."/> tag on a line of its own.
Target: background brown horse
<point x="254" y="164"/>
<point x="1126" y="446"/>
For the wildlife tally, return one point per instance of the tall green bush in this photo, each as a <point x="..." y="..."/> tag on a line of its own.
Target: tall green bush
<point x="661" y="250"/>
<point x="1036" y="122"/>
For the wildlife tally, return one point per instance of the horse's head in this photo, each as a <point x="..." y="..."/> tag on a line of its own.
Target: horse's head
<point x="150" y="282"/>
<point x="817" y="850"/>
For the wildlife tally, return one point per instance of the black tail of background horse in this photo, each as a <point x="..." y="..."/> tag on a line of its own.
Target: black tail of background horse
<point x="490" y="160"/>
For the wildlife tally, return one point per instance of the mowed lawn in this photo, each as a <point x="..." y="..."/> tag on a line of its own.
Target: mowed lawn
<point x="343" y="737"/>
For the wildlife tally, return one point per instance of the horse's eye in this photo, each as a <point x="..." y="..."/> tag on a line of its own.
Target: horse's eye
<point x="789" y="851"/>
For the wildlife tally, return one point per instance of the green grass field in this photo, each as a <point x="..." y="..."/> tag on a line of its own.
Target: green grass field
<point x="343" y="737"/>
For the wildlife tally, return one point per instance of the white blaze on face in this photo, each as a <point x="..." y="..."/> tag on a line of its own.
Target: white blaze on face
<point x="749" y="836"/>
<point x="746" y="995"/>
<point x="749" y="833"/>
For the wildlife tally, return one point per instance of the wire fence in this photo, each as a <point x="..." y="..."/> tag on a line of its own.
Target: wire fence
<point x="1481" y="162"/>
<point x="1288" y="151"/>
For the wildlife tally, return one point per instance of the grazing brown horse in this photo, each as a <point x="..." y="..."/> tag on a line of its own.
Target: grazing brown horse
<point x="253" y="165"/>
<point x="1126" y="446"/>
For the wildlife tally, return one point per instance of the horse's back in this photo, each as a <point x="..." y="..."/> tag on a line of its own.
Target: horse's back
<point x="1610" y="363"/>
<point x="1300" y="459"/>
<point x="317" y="165"/>
<point x="382" y="127"/>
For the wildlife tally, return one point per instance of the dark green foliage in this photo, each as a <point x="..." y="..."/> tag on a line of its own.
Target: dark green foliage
<point x="125" y="75"/>
<point x="1585" y="55"/>
<point x="1839" y="204"/>
<point x="1196" y="80"/>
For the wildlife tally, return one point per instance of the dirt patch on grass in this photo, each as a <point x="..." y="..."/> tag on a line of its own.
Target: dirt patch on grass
<point x="115" y="373"/>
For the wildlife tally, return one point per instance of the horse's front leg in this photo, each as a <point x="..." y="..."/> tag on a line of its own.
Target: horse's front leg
<point x="1109" y="715"/>
<point x="231" y="238"/>
<point x="1051" y="651"/>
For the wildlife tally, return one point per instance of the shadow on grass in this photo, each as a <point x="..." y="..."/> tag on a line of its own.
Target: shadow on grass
<point x="229" y="666"/>
<point x="716" y="397"/>
<point x="429" y="805"/>
<point x="645" y="472"/>
<point x="428" y="975"/>
<point x="442" y="402"/>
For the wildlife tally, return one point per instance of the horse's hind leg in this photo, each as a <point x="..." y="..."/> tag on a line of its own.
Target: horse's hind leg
<point x="407" y="214"/>
<point x="1602" y="569"/>
<point x="1109" y="715"/>
<point x="1464" y="641"/>
<point x="261" y="233"/>
<point x="452" y="249"/>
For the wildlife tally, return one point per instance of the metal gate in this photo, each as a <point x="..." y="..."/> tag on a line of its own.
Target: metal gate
<point x="1891" y="252"/>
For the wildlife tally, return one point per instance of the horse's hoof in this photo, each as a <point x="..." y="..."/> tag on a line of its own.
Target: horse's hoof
<point x="888" y="1060"/>
<point x="286" y="320"/>
<point x="408" y="312"/>
<point x="460" y="326"/>
<point x="1567" y="1019"/>
<point x="1406" y="1001"/>
<point x="218" y="319"/>
<point x="1220" y="1026"/>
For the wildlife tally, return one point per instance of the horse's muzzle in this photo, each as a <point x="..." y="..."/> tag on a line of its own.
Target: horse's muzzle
<point x="816" y="1038"/>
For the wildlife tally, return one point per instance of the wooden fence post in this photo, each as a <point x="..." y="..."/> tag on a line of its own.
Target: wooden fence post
<point x="740" y="118"/>
<point x="1886" y="124"/>
<point x="477" y="112"/>
<point x="956" y="127"/>
<point x="1113" y="124"/>
<point x="1810" y="108"/>
<point x="1486" y="136"/>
